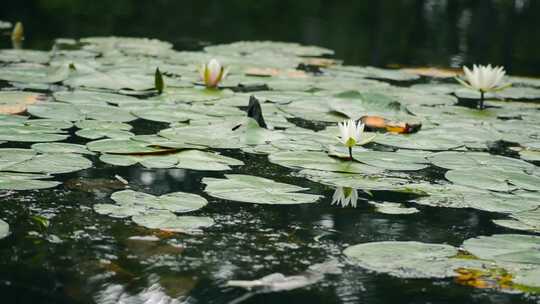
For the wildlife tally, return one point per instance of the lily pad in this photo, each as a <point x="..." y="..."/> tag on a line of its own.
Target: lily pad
<point x="393" y="208"/>
<point x="13" y="102"/>
<point x="52" y="163"/>
<point x="122" y="146"/>
<point x="21" y="181"/>
<point x="175" y="202"/>
<point x="168" y="221"/>
<point x="29" y="133"/>
<point x="257" y="190"/>
<point x="515" y="248"/>
<point x="408" y="259"/>
<point x="467" y="160"/>
<point x="91" y="97"/>
<point x="4" y="229"/>
<point x="319" y="161"/>
<point x="60" y="148"/>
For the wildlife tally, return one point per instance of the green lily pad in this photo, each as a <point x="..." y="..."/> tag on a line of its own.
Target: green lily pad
<point x="122" y="146"/>
<point x="112" y="80"/>
<point x="515" y="248"/>
<point x="52" y="163"/>
<point x="467" y="160"/>
<point x="267" y="47"/>
<point x="4" y="229"/>
<point x="257" y="190"/>
<point x="21" y="181"/>
<point x="430" y="140"/>
<point x="55" y="110"/>
<point x="493" y="179"/>
<point x="175" y="202"/>
<point x="355" y="181"/>
<point x="530" y="155"/>
<point x="91" y="97"/>
<point x="12" y="156"/>
<point x="408" y="259"/>
<point x="29" y="133"/>
<point x="393" y="208"/>
<point x="228" y="135"/>
<point x="94" y="129"/>
<point x="401" y="160"/>
<point x="60" y="148"/>
<point x="20" y="55"/>
<point x="120" y="211"/>
<point x="186" y="159"/>
<point x="319" y="161"/>
<point x="34" y="74"/>
<point x="168" y="221"/>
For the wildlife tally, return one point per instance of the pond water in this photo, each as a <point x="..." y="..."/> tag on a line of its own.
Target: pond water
<point x="85" y="225"/>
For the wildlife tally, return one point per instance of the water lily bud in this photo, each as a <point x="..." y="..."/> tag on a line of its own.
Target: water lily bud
<point x="212" y="73"/>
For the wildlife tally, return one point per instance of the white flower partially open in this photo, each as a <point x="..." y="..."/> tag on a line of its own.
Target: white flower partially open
<point x="345" y="196"/>
<point x="484" y="78"/>
<point x="212" y="73"/>
<point x="350" y="132"/>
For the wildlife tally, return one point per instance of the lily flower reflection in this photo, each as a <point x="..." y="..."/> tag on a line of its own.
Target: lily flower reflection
<point x="345" y="196"/>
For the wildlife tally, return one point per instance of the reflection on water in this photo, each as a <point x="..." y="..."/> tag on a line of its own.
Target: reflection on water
<point x="412" y="32"/>
<point x="345" y="196"/>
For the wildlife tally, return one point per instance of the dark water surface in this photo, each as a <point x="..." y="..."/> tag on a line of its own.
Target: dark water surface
<point x="250" y="241"/>
<point x="382" y="32"/>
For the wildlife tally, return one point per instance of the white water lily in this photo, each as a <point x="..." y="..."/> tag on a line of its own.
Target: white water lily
<point x="350" y="133"/>
<point x="212" y="73"/>
<point x="345" y="196"/>
<point x="484" y="79"/>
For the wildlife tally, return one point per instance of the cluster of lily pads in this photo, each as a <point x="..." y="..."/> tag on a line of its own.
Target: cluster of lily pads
<point x="98" y="86"/>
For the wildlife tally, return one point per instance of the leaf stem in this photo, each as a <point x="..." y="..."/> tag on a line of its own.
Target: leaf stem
<point x="350" y="153"/>
<point x="481" y="100"/>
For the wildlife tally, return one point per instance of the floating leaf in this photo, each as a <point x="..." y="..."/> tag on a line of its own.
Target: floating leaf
<point x="52" y="163"/>
<point x="319" y="161"/>
<point x="21" y="181"/>
<point x="467" y="160"/>
<point x="257" y="190"/>
<point x="408" y="259"/>
<point x="12" y="102"/>
<point x="92" y="97"/>
<point x="168" y="221"/>
<point x="122" y="146"/>
<point x="60" y="148"/>
<point x="4" y="229"/>
<point x="393" y="208"/>
<point x="515" y="248"/>
<point x="174" y="202"/>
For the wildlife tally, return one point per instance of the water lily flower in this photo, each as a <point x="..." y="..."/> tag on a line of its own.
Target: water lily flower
<point x="345" y="196"/>
<point x="350" y="134"/>
<point x="212" y="73"/>
<point x="484" y="79"/>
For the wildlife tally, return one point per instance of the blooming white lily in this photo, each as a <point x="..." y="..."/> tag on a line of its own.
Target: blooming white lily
<point x="350" y="133"/>
<point x="345" y="196"/>
<point x="484" y="79"/>
<point x="212" y="73"/>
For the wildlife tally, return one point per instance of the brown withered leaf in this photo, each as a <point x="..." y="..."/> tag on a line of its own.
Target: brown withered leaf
<point x="434" y="72"/>
<point x="377" y="123"/>
<point x="273" y="72"/>
<point x="16" y="102"/>
<point x="320" y="62"/>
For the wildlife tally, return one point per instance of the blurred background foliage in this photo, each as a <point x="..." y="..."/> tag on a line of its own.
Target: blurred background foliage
<point x="381" y="32"/>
